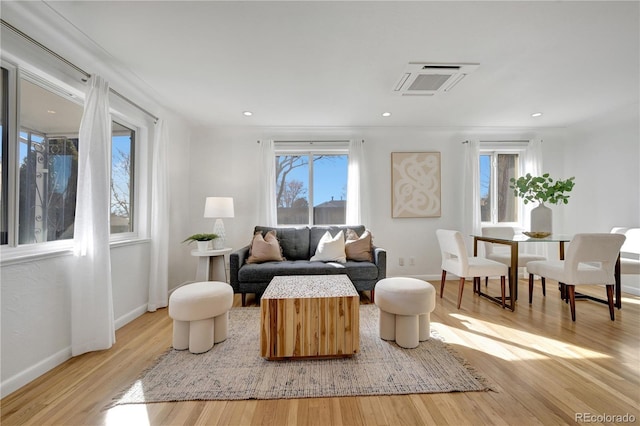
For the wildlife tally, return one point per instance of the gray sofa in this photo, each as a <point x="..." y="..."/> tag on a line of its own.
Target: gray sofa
<point x="298" y="246"/>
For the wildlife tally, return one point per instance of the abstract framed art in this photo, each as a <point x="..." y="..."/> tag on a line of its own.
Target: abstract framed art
<point x="415" y="184"/>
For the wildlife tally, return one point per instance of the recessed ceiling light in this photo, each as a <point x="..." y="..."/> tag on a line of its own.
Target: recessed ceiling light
<point x="247" y="113"/>
<point x="536" y="114"/>
<point x="50" y="111"/>
<point x="386" y="114"/>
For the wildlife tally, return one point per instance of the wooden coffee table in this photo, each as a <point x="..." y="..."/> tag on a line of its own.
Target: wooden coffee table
<point x="309" y="316"/>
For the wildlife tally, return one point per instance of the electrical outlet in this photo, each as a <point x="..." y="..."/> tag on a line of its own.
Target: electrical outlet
<point x="401" y="261"/>
<point x="412" y="261"/>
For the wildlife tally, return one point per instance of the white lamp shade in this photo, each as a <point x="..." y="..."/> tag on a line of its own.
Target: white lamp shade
<point x="218" y="207"/>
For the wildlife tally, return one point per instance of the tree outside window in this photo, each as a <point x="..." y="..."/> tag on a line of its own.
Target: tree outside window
<point x="311" y="188"/>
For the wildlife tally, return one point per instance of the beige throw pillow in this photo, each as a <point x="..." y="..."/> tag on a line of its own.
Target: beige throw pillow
<point x="265" y="249"/>
<point x="330" y="249"/>
<point x="359" y="248"/>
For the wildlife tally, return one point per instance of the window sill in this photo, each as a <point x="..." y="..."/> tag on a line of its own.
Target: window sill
<point x="30" y="253"/>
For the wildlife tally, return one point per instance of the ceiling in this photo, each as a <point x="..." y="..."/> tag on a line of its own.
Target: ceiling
<point x="336" y="63"/>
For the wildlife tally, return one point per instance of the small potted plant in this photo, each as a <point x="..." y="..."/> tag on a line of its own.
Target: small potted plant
<point x="202" y="240"/>
<point x="542" y="189"/>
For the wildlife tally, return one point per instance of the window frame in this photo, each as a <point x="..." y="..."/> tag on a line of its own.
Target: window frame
<point x="494" y="149"/>
<point x="310" y="149"/>
<point x="12" y="251"/>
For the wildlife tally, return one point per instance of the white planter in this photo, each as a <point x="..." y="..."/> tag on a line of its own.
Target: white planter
<point x="203" y="245"/>
<point x="541" y="219"/>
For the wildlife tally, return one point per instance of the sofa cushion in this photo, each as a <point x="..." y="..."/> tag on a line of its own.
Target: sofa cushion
<point x="330" y="249"/>
<point x="264" y="249"/>
<point x="264" y="272"/>
<point x="294" y="241"/>
<point x="316" y="232"/>
<point x="359" y="248"/>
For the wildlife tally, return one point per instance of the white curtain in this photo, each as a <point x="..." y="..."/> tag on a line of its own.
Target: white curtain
<point x="159" y="265"/>
<point x="471" y="192"/>
<point x="355" y="174"/>
<point x="267" y="209"/>
<point x="92" y="324"/>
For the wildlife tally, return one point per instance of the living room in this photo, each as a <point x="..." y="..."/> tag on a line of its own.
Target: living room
<point x="586" y="51"/>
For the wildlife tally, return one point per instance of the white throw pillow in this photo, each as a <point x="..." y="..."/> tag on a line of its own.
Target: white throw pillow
<point x="330" y="249"/>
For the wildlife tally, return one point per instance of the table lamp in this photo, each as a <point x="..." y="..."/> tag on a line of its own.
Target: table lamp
<point x="218" y="207"/>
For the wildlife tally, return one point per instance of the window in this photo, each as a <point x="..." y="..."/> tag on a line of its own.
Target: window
<point x="311" y="187"/>
<point x="48" y="163"/>
<point x="122" y="178"/>
<point x="45" y="170"/>
<point x="498" y="204"/>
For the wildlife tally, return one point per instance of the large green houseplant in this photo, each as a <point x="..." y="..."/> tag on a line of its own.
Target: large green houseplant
<point x="542" y="189"/>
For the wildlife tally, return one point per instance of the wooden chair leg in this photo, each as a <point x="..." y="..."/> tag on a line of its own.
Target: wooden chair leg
<point x="610" y="300"/>
<point x="530" y="288"/>
<point x="544" y="287"/>
<point x="571" y="291"/>
<point x="460" y="289"/>
<point x="244" y="299"/>
<point x="373" y="295"/>
<point x="502" y="283"/>
<point x="444" y="276"/>
<point x="486" y="281"/>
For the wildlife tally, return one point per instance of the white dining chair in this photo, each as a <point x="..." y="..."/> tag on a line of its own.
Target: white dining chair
<point x="456" y="261"/>
<point x="590" y="259"/>
<point x="502" y="253"/>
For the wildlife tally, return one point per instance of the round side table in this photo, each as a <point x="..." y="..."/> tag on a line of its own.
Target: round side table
<point x="211" y="265"/>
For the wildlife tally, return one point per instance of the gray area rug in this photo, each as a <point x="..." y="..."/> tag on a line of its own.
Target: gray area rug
<point x="234" y="370"/>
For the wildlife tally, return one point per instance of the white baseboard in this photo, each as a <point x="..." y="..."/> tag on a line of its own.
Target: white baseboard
<point x="130" y="316"/>
<point x="24" y="377"/>
<point x="17" y="381"/>
<point x="631" y="284"/>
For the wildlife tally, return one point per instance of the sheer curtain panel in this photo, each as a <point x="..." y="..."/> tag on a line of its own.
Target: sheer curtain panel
<point x="471" y="191"/>
<point x="158" y="273"/>
<point x="92" y="324"/>
<point x="355" y="174"/>
<point x="267" y="209"/>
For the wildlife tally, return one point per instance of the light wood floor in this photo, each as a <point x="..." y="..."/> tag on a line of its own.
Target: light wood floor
<point x="545" y="370"/>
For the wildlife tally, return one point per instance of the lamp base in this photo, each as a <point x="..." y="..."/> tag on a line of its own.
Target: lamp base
<point x="218" y="229"/>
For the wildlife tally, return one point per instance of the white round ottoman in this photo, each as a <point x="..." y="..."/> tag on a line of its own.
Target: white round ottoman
<point x="405" y="305"/>
<point x="200" y="315"/>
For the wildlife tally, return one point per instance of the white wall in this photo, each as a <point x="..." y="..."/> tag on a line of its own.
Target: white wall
<point x="604" y="155"/>
<point x="36" y="309"/>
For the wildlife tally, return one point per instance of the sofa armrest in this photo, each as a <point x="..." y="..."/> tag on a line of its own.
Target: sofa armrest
<point x="236" y="260"/>
<point x="380" y="259"/>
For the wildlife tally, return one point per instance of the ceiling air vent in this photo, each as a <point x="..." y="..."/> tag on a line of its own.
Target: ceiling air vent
<point x="427" y="79"/>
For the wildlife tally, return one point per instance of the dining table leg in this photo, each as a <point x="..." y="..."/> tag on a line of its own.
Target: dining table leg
<point x="513" y="277"/>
